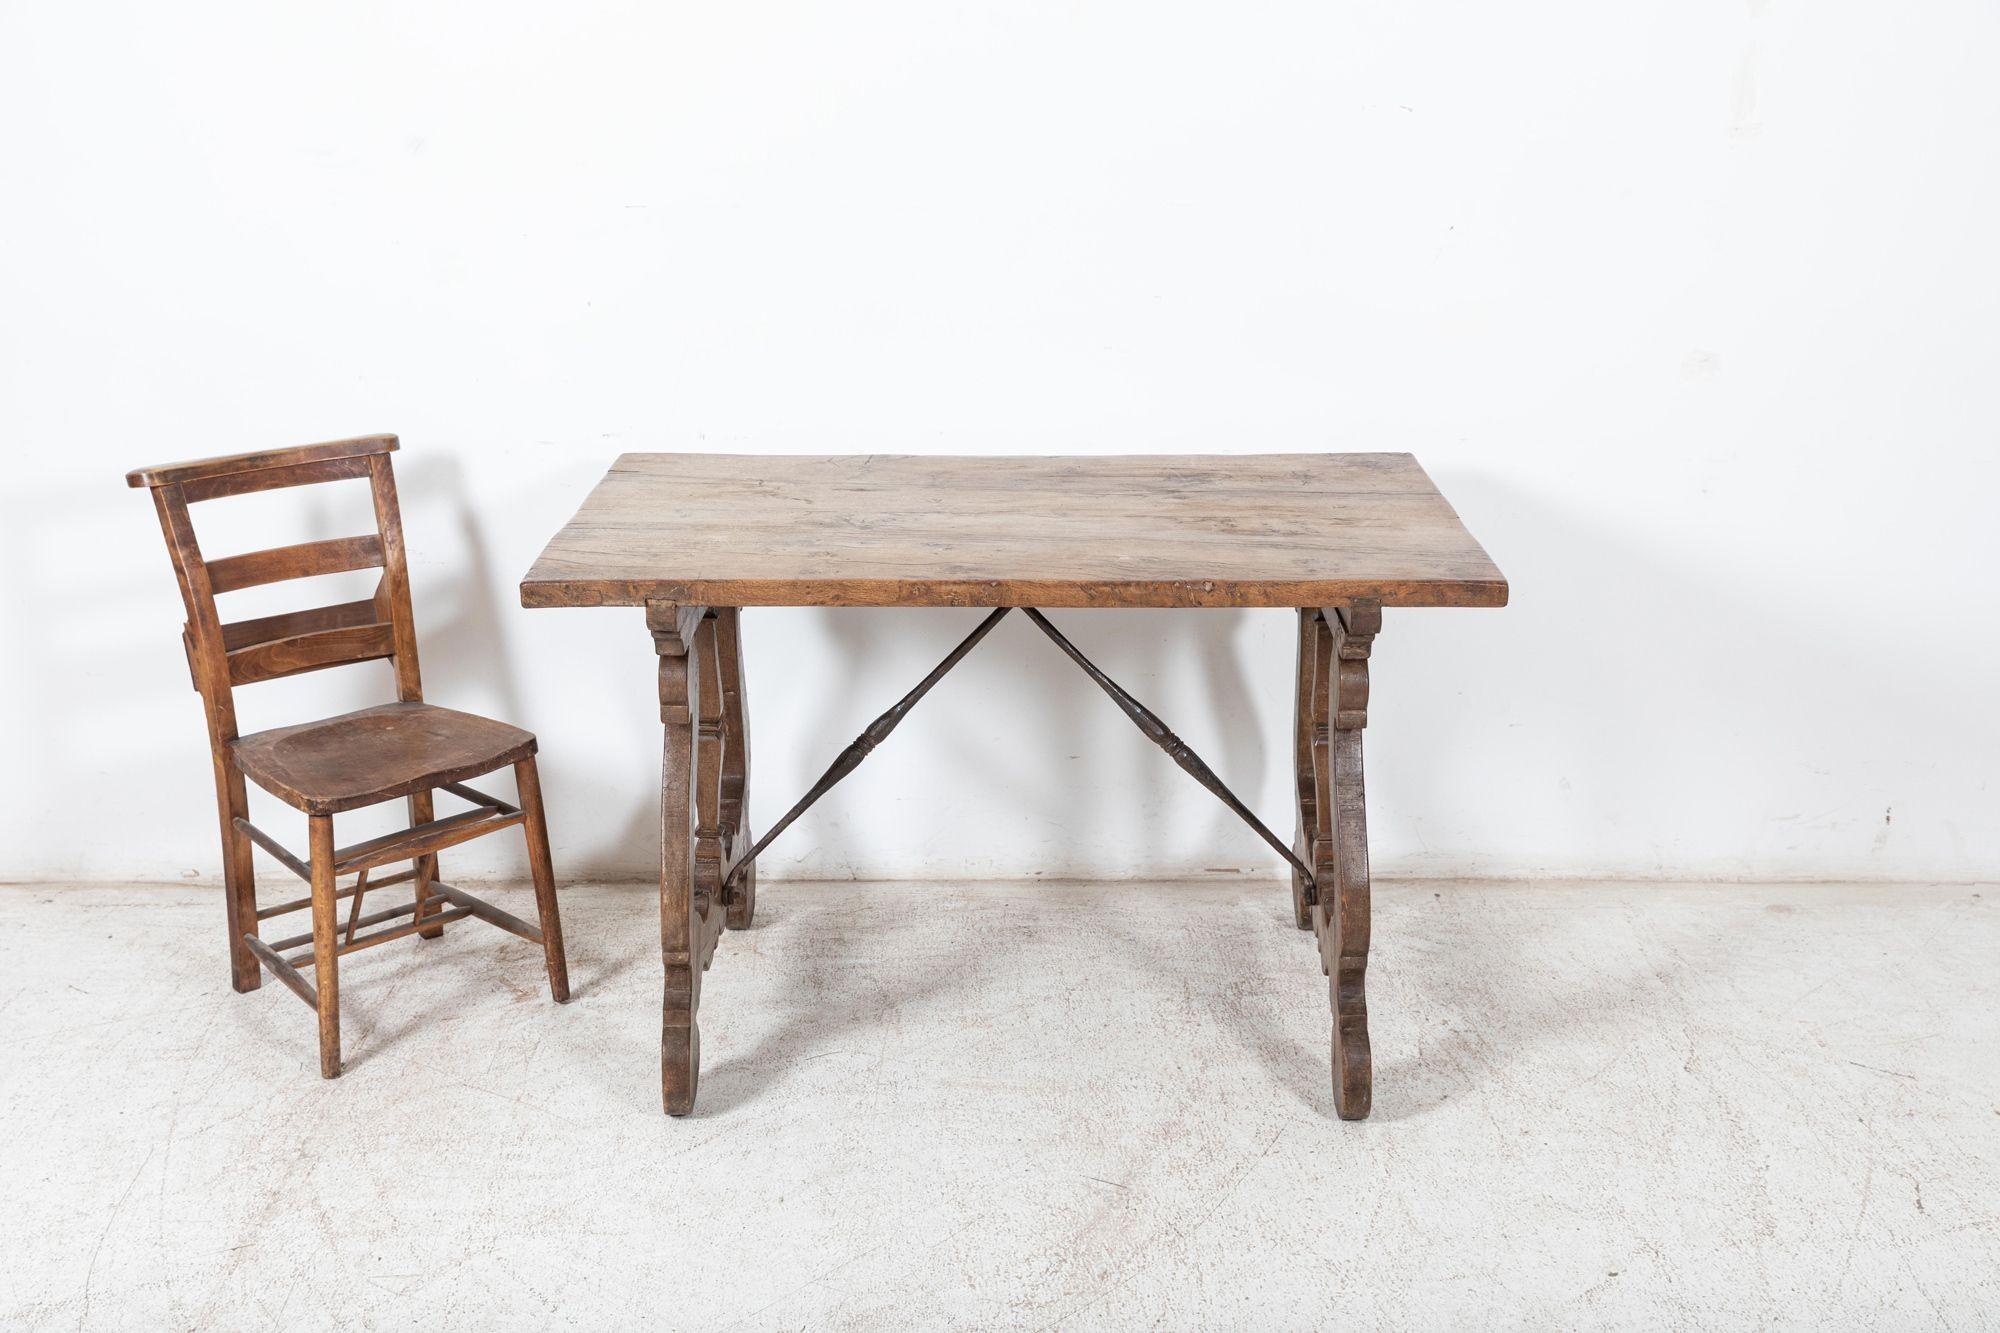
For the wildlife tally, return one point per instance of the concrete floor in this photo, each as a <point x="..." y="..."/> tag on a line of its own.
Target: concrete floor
<point x="1034" y="1106"/>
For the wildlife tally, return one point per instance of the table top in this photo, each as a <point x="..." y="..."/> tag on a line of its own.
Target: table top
<point x="1099" y="530"/>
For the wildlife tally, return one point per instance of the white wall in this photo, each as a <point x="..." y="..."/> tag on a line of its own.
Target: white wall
<point x="1692" y="308"/>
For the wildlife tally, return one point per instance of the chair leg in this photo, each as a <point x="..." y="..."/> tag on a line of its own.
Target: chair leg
<point x="423" y="809"/>
<point x="326" y="946"/>
<point x="529" y="782"/>
<point x="239" y="882"/>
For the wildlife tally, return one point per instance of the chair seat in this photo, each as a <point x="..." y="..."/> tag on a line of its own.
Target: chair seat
<point x="377" y="754"/>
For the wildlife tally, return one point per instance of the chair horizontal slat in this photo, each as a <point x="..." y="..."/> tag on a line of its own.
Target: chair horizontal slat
<point x="430" y="919"/>
<point x="284" y="854"/>
<point x="310" y="652"/>
<point x="423" y="839"/>
<point x="267" y="629"/>
<point x="294" y="562"/>
<point x="283" y="969"/>
<point x="371" y="919"/>
<point x="487" y="912"/>
<point x="171" y="473"/>
<point x="465" y="793"/>
<point x="295" y="904"/>
<point x="273" y="478"/>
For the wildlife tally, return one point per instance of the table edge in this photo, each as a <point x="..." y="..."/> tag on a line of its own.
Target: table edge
<point x="546" y="592"/>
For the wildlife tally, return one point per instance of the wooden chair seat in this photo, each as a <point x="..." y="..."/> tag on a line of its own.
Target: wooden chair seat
<point x="376" y="754"/>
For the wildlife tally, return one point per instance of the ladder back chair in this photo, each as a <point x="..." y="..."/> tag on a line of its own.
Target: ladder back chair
<point x="407" y="749"/>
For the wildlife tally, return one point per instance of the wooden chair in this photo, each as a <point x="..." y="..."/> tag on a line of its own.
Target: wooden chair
<point x="407" y="749"/>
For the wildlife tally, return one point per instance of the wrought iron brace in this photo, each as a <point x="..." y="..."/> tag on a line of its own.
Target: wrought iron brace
<point x="1142" y="717"/>
<point x="863" y="745"/>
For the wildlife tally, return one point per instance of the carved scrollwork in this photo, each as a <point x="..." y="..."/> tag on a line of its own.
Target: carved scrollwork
<point x="690" y="858"/>
<point x="739" y="893"/>
<point x="1342" y="639"/>
<point x="707" y="660"/>
<point x="1307" y="719"/>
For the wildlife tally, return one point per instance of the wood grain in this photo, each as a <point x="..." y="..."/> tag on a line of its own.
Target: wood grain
<point x="554" y="961"/>
<point x="1245" y="530"/>
<point x="336" y="555"/>
<point x="309" y="652"/>
<point x="326" y="959"/>
<point x="1305" y="720"/>
<point x="376" y="754"/>
<point x="267" y="629"/>
<point x="739" y="896"/>
<point x="266" y="461"/>
<point x="224" y="485"/>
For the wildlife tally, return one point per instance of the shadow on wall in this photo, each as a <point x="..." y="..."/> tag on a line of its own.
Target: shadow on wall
<point x="463" y="626"/>
<point x="91" y="651"/>
<point x="462" y="643"/>
<point x="101" y="700"/>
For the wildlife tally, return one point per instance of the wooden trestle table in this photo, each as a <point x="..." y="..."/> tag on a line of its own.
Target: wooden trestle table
<point x="694" y="538"/>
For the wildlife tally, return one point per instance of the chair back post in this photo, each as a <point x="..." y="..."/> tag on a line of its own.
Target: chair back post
<point x="201" y="636"/>
<point x="392" y="596"/>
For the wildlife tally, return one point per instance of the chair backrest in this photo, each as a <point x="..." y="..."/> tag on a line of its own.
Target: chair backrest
<point x="223" y="656"/>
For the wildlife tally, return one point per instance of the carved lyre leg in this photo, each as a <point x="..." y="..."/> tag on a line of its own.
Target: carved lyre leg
<point x="690" y="853"/>
<point x="1304" y="719"/>
<point x="1340" y="865"/>
<point x="708" y="768"/>
<point x="740" y="898"/>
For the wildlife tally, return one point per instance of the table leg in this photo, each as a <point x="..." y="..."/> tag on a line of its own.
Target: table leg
<point x="690" y="842"/>
<point x="740" y="898"/>
<point x="1305" y="720"/>
<point x="1342" y="638"/>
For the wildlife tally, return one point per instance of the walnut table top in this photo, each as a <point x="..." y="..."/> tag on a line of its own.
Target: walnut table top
<point x="1106" y="530"/>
